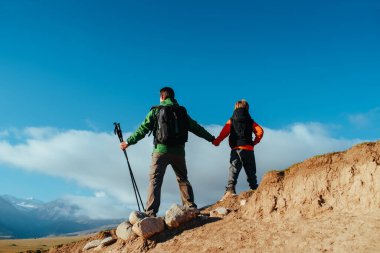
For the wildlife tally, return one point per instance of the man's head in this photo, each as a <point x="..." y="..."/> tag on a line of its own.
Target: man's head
<point x="242" y="104"/>
<point x="165" y="93"/>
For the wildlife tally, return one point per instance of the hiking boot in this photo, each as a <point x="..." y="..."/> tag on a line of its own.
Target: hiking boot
<point x="150" y="214"/>
<point x="193" y="208"/>
<point x="253" y="188"/>
<point x="230" y="189"/>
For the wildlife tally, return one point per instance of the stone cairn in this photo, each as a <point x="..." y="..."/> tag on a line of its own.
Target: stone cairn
<point x="141" y="225"/>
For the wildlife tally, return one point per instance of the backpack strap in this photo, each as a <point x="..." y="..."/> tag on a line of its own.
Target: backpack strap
<point x="155" y="120"/>
<point x="155" y="124"/>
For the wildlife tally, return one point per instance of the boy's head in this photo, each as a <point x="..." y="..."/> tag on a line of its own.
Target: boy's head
<point x="166" y="92"/>
<point x="242" y="104"/>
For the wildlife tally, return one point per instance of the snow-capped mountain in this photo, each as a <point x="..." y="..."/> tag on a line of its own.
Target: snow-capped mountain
<point x="23" y="218"/>
<point x="28" y="204"/>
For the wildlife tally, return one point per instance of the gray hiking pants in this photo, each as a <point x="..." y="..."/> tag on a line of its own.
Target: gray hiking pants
<point x="242" y="158"/>
<point x="156" y="177"/>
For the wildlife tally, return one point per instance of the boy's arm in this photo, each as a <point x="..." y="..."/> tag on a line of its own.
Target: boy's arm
<point x="223" y="134"/>
<point x="199" y="131"/>
<point x="258" y="131"/>
<point x="143" y="129"/>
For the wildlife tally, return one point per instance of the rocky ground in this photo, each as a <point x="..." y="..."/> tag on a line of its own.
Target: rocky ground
<point x="329" y="203"/>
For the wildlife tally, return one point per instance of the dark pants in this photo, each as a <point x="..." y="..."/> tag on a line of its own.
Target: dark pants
<point x="242" y="158"/>
<point x="156" y="177"/>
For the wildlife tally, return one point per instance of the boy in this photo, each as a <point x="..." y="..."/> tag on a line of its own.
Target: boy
<point x="240" y="128"/>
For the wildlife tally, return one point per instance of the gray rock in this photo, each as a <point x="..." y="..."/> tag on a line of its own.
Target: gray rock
<point x="92" y="244"/>
<point x="136" y="216"/>
<point x="178" y="215"/>
<point x="219" y="212"/>
<point x="124" y="231"/>
<point x="107" y="241"/>
<point x="203" y="217"/>
<point x="148" y="227"/>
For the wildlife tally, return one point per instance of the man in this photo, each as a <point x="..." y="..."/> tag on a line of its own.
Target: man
<point x="170" y="124"/>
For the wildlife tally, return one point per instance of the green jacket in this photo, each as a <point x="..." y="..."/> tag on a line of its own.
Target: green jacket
<point x="147" y="125"/>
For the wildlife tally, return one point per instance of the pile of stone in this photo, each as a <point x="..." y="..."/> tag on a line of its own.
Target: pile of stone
<point x="140" y="224"/>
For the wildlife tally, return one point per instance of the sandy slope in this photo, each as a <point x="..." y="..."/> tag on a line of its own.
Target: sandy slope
<point x="325" y="233"/>
<point x="329" y="203"/>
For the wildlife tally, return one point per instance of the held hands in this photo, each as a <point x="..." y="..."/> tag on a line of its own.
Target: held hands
<point x="123" y="145"/>
<point x="215" y="143"/>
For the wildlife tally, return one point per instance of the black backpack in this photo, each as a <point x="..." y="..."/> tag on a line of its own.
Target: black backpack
<point x="171" y="125"/>
<point x="241" y="128"/>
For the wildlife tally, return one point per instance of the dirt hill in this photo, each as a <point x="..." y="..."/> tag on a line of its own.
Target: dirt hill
<point x="328" y="203"/>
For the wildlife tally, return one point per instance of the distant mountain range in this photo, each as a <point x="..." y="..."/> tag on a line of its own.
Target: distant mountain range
<point x="30" y="218"/>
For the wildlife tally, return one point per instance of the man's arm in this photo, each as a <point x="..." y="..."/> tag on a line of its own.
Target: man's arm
<point x="199" y="131"/>
<point x="143" y="129"/>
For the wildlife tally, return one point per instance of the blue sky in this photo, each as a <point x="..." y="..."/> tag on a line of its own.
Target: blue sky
<point x="308" y="69"/>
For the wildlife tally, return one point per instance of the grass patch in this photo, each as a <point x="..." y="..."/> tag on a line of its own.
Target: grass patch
<point x="36" y="245"/>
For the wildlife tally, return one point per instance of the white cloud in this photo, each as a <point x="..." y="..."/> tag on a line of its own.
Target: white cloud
<point x="4" y="134"/>
<point x="94" y="160"/>
<point x="99" y="208"/>
<point x="366" y="119"/>
<point x="100" y="194"/>
<point x="91" y="159"/>
<point x="39" y="133"/>
<point x="282" y="148"/>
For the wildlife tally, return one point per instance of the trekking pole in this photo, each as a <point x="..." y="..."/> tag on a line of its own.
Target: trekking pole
<point x="119" y="133"/>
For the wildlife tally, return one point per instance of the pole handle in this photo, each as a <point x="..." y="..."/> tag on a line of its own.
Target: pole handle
<point x="118" y="132"/>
